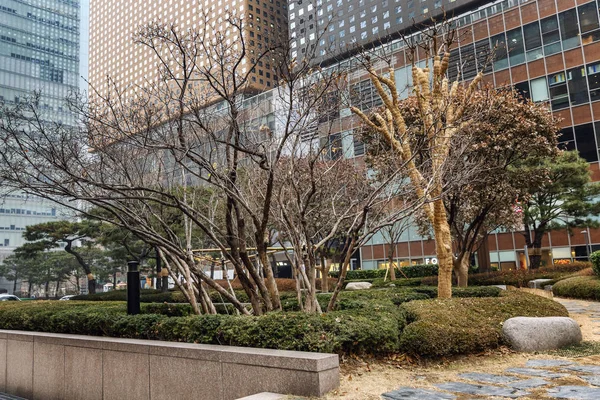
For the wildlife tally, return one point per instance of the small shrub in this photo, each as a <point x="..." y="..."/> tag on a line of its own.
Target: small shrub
<point x="578" y="287"/>
<point x="595" y="259"/>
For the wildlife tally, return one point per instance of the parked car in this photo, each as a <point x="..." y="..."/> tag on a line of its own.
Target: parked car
<point x="67" y="297"/>
<point x="9" y="297"/>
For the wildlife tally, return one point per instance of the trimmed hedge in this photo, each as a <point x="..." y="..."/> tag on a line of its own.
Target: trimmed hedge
<point x="344" y="332"/>
<point x="374" y="322"/>
<point x="468" y="325"/>
<point x="578" y="287"/>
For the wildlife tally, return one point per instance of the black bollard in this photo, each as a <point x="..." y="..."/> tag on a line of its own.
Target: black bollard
<point x="133" y="288"/>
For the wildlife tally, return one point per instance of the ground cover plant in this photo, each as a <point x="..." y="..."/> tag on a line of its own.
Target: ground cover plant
<point x="370" y="322"/>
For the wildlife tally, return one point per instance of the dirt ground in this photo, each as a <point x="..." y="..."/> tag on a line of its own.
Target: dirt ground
<point x="367" y="380"/>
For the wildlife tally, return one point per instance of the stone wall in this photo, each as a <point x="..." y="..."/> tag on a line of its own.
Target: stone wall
<point x="54" y="366"/>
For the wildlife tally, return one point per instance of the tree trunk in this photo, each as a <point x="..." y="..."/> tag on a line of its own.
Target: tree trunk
<point x="324" y="275"/>
<point x="342" y="278"/>
<point x="15" y="284"/>
<point x="269" y="279"/>
<point x="461" y="270"/>
<point x="47" y="289"/>
<point x="29" y="286"/>
<point x="91" y="283"/>
<point x="57" y="288"/>
<point x="443" y="246"/>
<point x="391" y="262"/>
<point x="84" y="265"/>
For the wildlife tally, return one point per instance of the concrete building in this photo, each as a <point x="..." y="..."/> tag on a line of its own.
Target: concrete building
<point x="114" y="23"/>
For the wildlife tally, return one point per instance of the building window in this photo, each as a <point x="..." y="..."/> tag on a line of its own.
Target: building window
<point x="586" y="142"/>
<point x="566" y="140"/>
<point x="501" y="55"/>
<point x="593" y="72"/>
<point x="516" y="50"/>
<point x="559" y="96"/>
<point x="569" y="30"/>
<point x="550" y="35"/>
<point x="588" y="22"/>
<point x="539" y="90"/>
<point x="578" y="91"/>
<point x="523" y="89"/>
<point x="533" y="41"/>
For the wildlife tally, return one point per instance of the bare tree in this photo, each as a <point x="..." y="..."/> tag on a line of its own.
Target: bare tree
<point x="440" y="107"/>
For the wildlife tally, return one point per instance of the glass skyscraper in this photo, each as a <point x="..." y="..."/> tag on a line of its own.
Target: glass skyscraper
<point x="40" y="51"/>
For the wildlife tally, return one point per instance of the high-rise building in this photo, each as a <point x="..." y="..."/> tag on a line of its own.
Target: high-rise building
<point x="332" y="30"/>
<point x="39" y="52"/>
<point x="115" y="55"/>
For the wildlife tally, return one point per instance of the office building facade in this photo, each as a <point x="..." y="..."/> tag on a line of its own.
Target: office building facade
<point x="116" y="58"/>
<point x="39" y="52"/>
<point x="549" y="51"/>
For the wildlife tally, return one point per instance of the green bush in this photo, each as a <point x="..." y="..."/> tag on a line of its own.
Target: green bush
<point x="467" y="325"/>
<point x="518" y="278"/>
<point x="579" y="287"/>
<point x="595" y="259"/>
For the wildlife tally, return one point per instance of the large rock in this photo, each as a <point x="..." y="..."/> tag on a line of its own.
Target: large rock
<point x="536" y="334"/>
<point x="358" y="285"/>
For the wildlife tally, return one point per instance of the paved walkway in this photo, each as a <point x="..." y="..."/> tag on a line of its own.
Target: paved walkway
<point x="587" y="314"/>
<point x="538" y="378"/>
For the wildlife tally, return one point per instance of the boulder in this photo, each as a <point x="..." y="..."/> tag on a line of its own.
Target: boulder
<point x="538" y="283"/>
<point x="529" y="334"/>
<point x="358" y="285"/>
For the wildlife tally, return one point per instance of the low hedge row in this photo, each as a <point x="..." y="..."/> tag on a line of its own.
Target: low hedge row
<point x="578" y="287"/>
<point x="343" y="332"/>
<point x="374" y="322"/>
<point x="411" y="271"/>
<point x="517" y="278"/>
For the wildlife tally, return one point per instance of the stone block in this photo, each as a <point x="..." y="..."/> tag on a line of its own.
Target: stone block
<point x="19" y="377"/>
<point x="538" y="283"/>
<point x="255" y="379"/>
<point x="125" y="375"/>
<point x="184" y="379"/>
<point x="3" y="364"/>
<point x="83" y="373"/>
<point x="293" y="360"/>
<point x="186" y="350"/>
<point x="529" y="334"/>
<point x="48" y="371"/>
<point x="358" y="285"/>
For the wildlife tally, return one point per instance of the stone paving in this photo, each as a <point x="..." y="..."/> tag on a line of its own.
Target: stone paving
<point x="515" y="383"/>
<point x="591" y="309"/>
